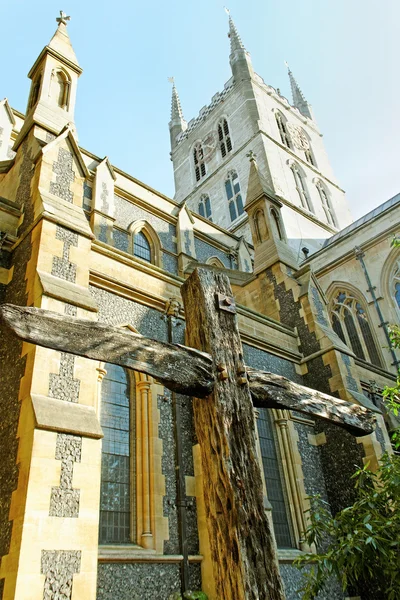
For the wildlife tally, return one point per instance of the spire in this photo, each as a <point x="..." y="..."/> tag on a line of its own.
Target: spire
<point x="299" y="100"/>
<point x="257" y="185"/>
<point x="233" y="35"/>
<point x="176" y="109"/>
<point x="54" y="75"/>
<point x="177" y="123"/>
<point x="239" y="58"/>
<point x="60" y="41"/>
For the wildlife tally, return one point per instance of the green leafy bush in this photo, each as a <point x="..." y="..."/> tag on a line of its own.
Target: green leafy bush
<point x="189" y="595"/>
<point x="360" y="544"/>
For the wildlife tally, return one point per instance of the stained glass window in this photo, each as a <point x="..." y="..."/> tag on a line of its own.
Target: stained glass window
<point x="116" y="476"/>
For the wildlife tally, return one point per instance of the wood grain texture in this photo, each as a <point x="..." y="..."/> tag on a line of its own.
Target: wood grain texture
<point x="269" y="390"/>
<point x="181" y="369"/>
<point x="243" y="552"/>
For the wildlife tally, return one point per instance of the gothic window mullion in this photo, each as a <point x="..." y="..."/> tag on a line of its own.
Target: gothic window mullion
<point x="360" y="332"/>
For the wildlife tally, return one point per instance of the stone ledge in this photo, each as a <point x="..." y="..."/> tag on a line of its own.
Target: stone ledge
<point x="66" y="291"/>
<point x="58" y="415"/>
<point x="138" y="554"/>
<point x="63" y="213"/>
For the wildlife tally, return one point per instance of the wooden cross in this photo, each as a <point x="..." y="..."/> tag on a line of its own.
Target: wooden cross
<point x="213" y="371"/>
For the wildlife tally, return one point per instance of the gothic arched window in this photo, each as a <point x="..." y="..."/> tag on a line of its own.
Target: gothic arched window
<point x="199" y="162"/>
<point x="118" y="424"/>
<point x="205" y="206"/>
<point x="326" y="204"/>
<point x="285" y="137"/>
<point x="301" y="187"/>
<point x="234" y="196"/>
<point x="350" y="322"/>
<point x="396" y="284"/>
<point x="224" y="137"/>
<point x="141" y="246"/>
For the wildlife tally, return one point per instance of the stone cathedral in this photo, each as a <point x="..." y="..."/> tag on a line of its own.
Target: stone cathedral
<point x="91" y="503"/>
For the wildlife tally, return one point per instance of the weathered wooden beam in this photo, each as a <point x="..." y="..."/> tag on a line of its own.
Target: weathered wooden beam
<point x="242" y="549"/>
<point x="274" y="391"/>
<point x="184" y="370"/>
<point x="178" y="367"/>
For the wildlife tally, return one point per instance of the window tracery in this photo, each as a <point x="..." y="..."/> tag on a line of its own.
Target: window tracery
<point x="350" y="323"/>
<point x="234" y="196"/>
<point x="396" y="284"/>
<point x="225" y="142"/>
<point x="205" y="206"/>
<point x="199" y="161"/>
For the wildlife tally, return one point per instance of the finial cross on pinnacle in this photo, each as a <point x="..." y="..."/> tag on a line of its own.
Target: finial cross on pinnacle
<point x="171" y="80"/>
<point x="251" y="156"/>
<point x="62" y="18"/>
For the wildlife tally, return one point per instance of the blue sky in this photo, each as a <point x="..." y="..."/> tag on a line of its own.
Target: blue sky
<point x="343" y="52"/>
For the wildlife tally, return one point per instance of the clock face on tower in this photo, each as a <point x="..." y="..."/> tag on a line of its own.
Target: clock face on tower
<point x="209" y="145"/>
<point x="298" y="136"/>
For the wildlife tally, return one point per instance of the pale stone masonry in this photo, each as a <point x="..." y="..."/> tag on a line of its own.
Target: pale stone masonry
<point x="91" y="504"/>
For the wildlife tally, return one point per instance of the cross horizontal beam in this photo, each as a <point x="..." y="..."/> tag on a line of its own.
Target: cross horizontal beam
<point x="180" y="368"/>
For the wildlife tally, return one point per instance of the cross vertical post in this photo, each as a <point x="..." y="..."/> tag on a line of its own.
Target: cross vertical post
<point x="243" y="551"/>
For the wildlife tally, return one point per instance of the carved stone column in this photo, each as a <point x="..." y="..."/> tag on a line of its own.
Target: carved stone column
<point x="144" y="391"/>
<point x="296" y="504"/>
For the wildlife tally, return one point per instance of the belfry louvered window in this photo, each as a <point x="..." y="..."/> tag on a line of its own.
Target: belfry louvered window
<point x="326" y="205"/>
<point x="141" y="246"/>
<point x="285" y="137"/>
<point x="224" y="137"/>
<point x="274" y="480"/>
<point x="205" y="206"/>
<point x="117" y="422"/>
<point x="350" y="322"/>
<point x="234" y="196"/>
<point x="199" y="162"/>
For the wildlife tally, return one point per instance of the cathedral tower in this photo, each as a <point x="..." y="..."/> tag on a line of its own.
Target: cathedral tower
<point x="210" y="164"/>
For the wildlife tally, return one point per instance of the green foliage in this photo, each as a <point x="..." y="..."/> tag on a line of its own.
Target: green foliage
<point x="195" y="595"/>
<point x="189" y="595"/>
<point x="362" y="542"/>
<point x="391" y="395"/>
